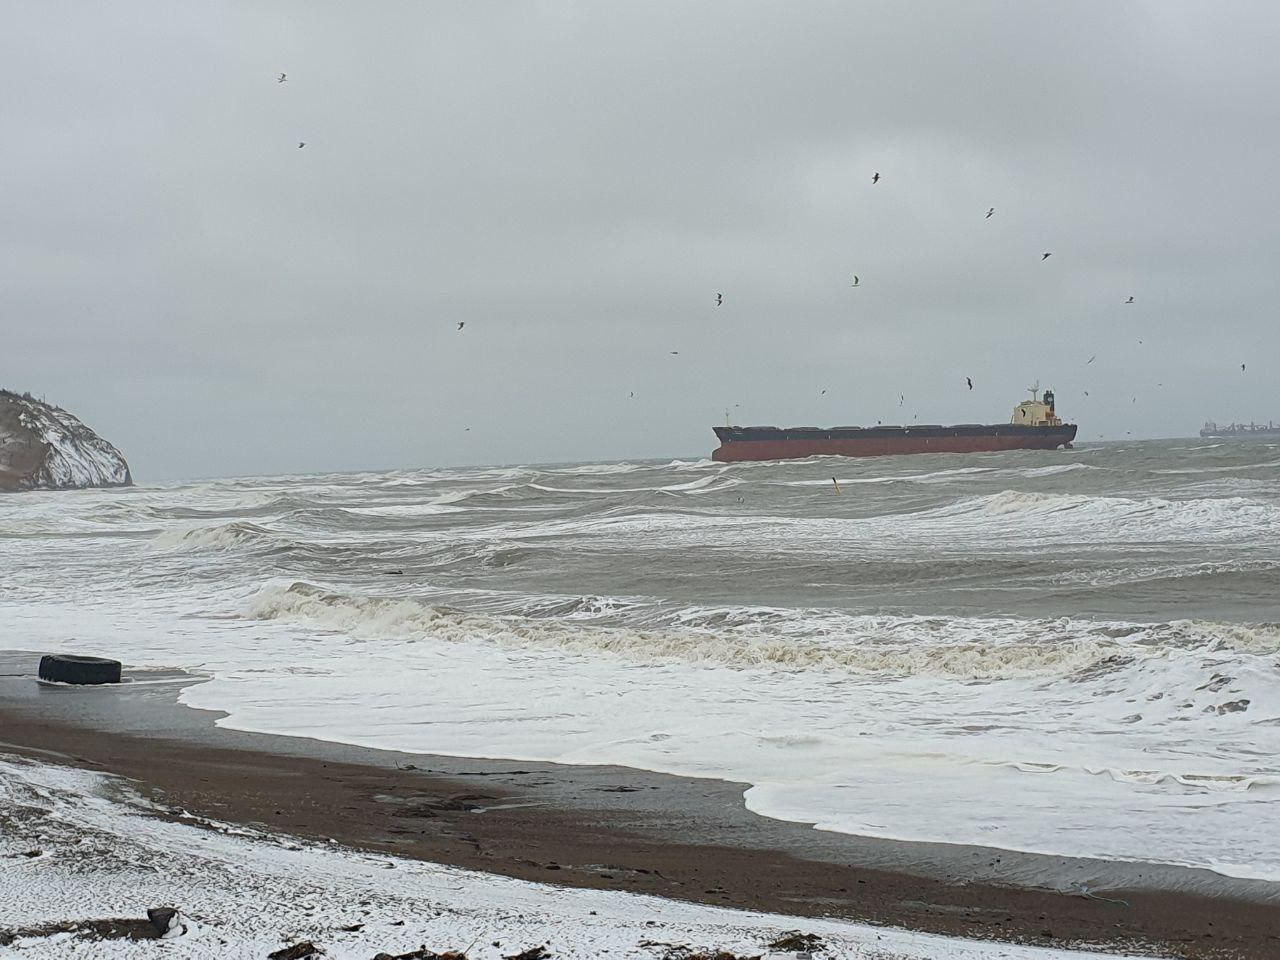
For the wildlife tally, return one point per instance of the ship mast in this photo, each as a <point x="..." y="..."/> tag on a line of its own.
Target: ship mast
<point x="1035" y="392"/>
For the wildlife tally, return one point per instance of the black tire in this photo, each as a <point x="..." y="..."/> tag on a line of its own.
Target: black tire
<point x="65" y="668"/>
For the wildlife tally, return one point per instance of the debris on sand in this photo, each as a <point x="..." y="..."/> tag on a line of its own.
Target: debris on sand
<point x="167" y="922"/>
<point x="422" y="953"/>
<point x="298" y="951"/>
<point x="533" y="953"/>
<point x="793" y="941"/>
<point x="684" y="952"/>
<point x="111" y="928"/>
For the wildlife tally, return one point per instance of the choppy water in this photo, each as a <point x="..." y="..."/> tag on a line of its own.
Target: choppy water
<point x="1072" y="652"/>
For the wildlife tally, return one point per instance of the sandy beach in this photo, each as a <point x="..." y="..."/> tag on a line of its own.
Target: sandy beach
<point x="615" y="829"/>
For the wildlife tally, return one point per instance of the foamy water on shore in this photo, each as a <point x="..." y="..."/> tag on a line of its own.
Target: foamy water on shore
<point x="1070" y="652"/>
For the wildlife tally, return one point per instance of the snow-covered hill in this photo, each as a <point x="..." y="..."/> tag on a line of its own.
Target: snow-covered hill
<point x="43" y="447"/>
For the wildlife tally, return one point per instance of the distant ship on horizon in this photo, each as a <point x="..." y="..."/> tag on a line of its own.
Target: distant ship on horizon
<point x="1035" y="425"/>
<point x="1211" y="429"/>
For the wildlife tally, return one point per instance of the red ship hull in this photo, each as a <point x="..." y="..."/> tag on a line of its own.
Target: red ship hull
<point x="891" y="442"/>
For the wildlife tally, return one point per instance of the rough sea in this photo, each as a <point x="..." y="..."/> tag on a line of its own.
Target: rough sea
<point x="1072" y="652"/>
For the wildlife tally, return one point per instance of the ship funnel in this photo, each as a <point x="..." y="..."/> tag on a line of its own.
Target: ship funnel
<point x="1048" y="400"/>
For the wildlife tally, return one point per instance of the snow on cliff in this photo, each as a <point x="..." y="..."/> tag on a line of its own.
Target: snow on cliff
<point x="43" y="447"/>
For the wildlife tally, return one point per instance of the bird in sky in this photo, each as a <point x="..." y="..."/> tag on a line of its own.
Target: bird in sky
<point x="969" y="381"/>
<point x="1242" y="368"/>
<point x="875" y="178"/>
<point x="856" y="281"/>
<point x="1139" y="341"/>
<point x="991" y="212"/>
<point x="1130" y="300"/>
<point x="675" y="353"/>
<point x="281" y="79"/>
<point x="1045" y="256"/>
<point x="823" y="393"/>
<point x="901" y="399"/>
<point x="719" y="299"/>
<point x="1091" y="359"/>
<point x="461" y="324"/>
<point x="301" y="144"/>
<point x="1086" y="393"/>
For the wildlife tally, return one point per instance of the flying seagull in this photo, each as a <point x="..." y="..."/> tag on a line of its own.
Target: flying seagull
<point x="633" y="395"/>
<point x="1045" y="256"/>
<point x="281" y="79"/>
<point x="969" y="381"/>
<point x="301" y="144"/>
<point x="1130" y="300"/>
<point x="875" y="178"/>
<point x="901" y="399"/>
<point x="461" y="324"/>
<point x="856" y="281"/>
<point x="1242" y="368"/>
<point x="719" y="299"/>
<point x="675" y="353"/>
<point x="1086" y="393"/>
<point x="991" y="212"/>
<point x="823" y="393"/>
<point x="1091" y="359"/>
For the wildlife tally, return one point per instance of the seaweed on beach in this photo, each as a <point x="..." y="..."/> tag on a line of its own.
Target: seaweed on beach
<point x="793" y="941"/>
<point x="296" y="951"/>
<point x="684" y="952"/>
<point x="533" y="953"/>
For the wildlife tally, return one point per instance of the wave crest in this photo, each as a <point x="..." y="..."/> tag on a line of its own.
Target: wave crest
<point x="866" y="648"/>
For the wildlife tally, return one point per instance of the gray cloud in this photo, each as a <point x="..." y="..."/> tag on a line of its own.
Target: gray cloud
<point x="577" y="180"/>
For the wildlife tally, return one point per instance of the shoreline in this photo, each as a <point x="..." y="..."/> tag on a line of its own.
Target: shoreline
<point x="614" y="828"/>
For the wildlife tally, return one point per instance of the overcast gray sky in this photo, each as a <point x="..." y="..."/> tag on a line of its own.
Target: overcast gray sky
<point x="577" y="180"/>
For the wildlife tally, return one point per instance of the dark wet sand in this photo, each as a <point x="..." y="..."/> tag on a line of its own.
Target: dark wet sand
<point x="617" y="828"/>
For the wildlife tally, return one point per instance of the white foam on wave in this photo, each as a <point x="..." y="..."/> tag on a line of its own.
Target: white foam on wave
<point x="934" y="476"/>
<point x="701" y="485"/>
<point x="1055" y="469"/>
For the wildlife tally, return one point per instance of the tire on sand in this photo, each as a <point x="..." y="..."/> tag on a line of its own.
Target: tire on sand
<point x="65" y="668"/>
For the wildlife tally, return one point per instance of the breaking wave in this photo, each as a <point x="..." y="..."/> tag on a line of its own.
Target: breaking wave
<point x="898" y="646"/>
<point x="224" y="536"/>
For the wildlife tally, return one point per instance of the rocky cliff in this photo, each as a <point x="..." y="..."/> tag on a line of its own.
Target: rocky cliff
<point x="42" y="447"/>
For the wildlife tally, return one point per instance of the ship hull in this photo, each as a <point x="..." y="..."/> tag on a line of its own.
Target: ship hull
<point x="773" y="443"/>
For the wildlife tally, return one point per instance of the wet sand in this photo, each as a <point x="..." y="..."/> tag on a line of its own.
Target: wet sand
<point x="617" y="828"/>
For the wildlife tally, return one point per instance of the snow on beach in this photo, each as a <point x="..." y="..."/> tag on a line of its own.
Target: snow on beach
<point x="79" y="846"/>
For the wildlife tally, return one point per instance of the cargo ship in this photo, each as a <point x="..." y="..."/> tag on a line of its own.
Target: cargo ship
<point x="1211" y="429"/>
<point x="1035" y="425"/>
